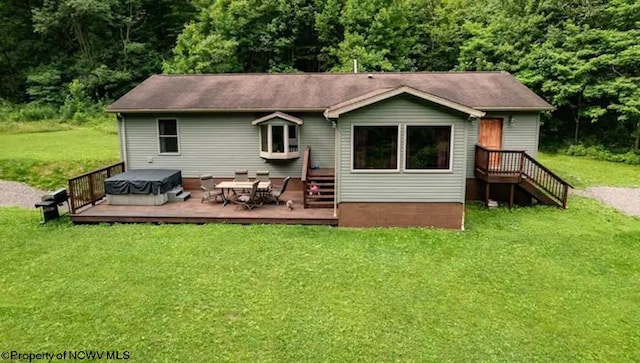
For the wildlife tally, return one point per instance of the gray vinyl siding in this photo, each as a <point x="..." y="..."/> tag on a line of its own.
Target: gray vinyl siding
<point x="523" y="134"/>
<point x="221" y="144"/>
<point x="402" y="186"/>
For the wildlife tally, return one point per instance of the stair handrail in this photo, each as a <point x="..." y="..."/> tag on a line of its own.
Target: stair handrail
<point x="306" y="159"/>
<point x="561" y="194"/>
<point x="538" y="164"/>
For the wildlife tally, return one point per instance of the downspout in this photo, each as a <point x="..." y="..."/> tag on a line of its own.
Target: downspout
<point x="123" y="139"/>
<point x="335" y="167"/>
<point x="465" y="166"/>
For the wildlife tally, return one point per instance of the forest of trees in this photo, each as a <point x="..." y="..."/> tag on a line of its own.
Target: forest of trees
<point x="583" y="56"/>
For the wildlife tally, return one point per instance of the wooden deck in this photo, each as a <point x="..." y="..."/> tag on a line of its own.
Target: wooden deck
<point x="193" y="211"/>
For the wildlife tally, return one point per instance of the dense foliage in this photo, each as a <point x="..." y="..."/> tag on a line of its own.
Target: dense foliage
<point x="581" y="55"/>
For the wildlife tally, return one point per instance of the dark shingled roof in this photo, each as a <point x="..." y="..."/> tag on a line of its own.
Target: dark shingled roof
<point x="318" y="91"/>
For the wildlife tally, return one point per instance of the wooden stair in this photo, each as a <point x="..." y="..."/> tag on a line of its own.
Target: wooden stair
<point x="519" y="169"/>
<point x="320" y="188"/>
<point x="319" y="184"/>
<point x="539" y="194"/>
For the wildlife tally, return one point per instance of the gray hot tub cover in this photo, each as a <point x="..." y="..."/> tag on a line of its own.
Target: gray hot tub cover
<point x="143" y="181"/>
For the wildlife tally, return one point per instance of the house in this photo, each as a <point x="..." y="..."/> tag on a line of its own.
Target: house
<point x="381" y="149"/>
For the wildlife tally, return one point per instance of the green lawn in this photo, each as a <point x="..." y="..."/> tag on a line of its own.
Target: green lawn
<point x="583" y="172"/>
<point x="532" y="284"/>
<point x="47" y="159"/>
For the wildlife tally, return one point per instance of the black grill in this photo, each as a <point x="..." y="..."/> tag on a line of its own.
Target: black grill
<point x="50" y="203"/>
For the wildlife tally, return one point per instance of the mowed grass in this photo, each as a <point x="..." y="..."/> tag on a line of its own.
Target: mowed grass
<point x="531" y="284"/>
<point x="47" y="159"/>
<point x="583" y="172"/>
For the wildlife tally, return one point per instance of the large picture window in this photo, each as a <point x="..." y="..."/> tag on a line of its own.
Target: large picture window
<point x="375" y="147"/>
<point x="168" y="136"/>
<point x="428" y="148"/>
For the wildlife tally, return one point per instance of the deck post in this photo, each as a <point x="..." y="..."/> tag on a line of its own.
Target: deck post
<point x="511" y="193"/>
<point x="72" y="196"/>
<point x="91" y="192"/>
<point x="486" y="193"/>
<point x="521" y="169"/>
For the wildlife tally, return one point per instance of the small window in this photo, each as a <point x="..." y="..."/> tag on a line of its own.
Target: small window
<point x="428" y="148"/>
<point x="375" y="147"/>
<point x="168" y="136"/>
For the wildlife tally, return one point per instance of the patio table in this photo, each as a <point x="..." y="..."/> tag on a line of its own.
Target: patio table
<point x="228" y="186"/>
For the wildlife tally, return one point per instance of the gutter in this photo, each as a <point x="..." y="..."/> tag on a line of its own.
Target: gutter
<point x="536" y="109"/>
<point x="209" y="110"/>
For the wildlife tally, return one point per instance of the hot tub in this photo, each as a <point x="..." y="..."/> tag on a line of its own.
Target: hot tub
<point x="141" y="186"/>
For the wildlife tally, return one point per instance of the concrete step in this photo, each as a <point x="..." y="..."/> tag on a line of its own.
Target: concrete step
<point x="178" y="194"/>
<point x="183" y="196"/>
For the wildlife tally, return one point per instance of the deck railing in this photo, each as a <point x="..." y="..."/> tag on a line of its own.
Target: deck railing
<point x="88" y="188"/>
<point x="545" y="179"/>
<point x="519" y="164"/>
<point x="306" y="167"/>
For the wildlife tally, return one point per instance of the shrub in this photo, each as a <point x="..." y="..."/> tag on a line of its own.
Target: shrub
<point x="600" y="153"/>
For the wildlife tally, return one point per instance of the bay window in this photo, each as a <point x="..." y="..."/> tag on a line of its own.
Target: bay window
<point x="279" y="141"/>
<point x="279" y="136"/>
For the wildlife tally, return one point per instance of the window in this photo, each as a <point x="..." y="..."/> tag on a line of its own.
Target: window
<point x="279" y="141"/>
<point x="428" y="148"/>
<point x="375" y="147"/>
<point x="168" y="136"/>
<point x="264" y="138"/>
<point x="293" y="138"/>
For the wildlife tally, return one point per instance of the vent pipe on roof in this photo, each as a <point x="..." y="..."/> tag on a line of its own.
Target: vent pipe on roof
<point x="355" y="66"/>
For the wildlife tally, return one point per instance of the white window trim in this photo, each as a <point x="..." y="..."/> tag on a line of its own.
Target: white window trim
<point x="376" y="171"/>
<point x="283" y="155"/>
<point x="429" y="171"/>
<point x="158" y="136"/>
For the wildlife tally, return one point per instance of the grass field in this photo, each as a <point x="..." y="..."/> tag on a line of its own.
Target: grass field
<point x="47" y="159"/>
<point x="532" y="284"/>
<point x="583" y="172"/>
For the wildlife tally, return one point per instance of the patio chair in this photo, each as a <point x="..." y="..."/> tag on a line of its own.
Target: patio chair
<point x="277" y="191"/>
<point x="241" y="176"/>
<point x="262" y="176"/>
<point x="208" y="187"/>
<point x="249" y="200"/>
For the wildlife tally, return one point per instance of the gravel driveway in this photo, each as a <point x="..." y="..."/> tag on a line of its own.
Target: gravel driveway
<point x="626" y="200"/>
<point x="14" y="194"/>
